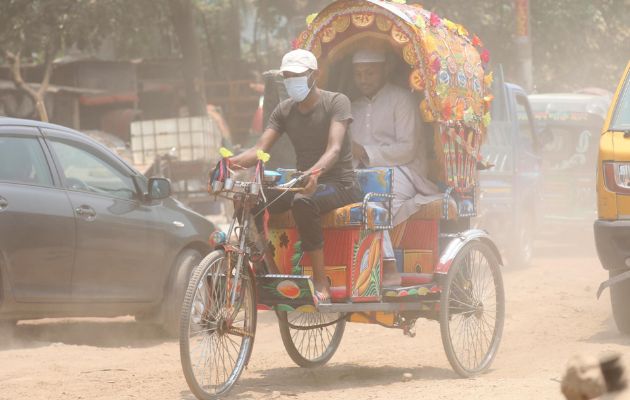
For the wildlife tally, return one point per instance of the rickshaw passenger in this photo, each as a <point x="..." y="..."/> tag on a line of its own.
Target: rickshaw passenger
<point x="316" y="122"/>
<point x="385" y="134"/>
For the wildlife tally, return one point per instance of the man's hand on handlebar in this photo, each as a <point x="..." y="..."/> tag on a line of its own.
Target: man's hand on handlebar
<point x="310" y="186"/>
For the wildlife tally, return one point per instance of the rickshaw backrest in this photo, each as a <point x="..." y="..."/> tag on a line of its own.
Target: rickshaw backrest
<point x="371" y="180"/>
<point x="376" y="180"/>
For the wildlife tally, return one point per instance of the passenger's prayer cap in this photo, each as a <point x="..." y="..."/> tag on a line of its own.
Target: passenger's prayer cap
<point x="298" y="61"/>
<point x="368" y="56"/>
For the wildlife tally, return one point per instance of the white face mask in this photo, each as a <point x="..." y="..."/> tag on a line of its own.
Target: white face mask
<point x="297" y="87"/>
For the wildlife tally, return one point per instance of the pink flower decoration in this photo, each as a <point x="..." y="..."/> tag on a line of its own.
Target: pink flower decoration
<point x="436" y="65"/>
<point x="485" y="56"/>
<point x="435" y="20"/>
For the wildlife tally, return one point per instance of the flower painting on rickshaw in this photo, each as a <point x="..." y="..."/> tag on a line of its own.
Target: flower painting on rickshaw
<point x="438" y="51"/>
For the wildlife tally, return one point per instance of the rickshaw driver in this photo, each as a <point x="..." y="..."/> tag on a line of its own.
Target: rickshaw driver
<point x="385" y="134"/>
<point x="316" y="122"/>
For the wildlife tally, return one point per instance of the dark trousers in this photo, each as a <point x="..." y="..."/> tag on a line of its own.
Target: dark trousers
<point x="308" y="209"/>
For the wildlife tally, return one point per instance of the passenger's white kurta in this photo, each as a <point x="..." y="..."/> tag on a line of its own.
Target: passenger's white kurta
<point x="388" y="127"/>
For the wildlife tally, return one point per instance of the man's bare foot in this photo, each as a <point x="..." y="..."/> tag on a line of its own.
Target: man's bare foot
<point x="322" y="291"/>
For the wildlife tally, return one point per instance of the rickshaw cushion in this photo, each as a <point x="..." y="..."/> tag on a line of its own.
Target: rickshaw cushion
<point x="347" y="216"/>
<point x="371" y="180"/>
<point x="435" y="210"/>
<point x="375" y="180"/>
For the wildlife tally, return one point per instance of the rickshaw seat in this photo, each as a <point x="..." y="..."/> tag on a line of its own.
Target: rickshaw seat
<point x="376" y="185"/>
<point x="435" y="210"/>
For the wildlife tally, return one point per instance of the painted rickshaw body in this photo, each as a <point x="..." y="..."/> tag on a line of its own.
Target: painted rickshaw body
<point x="445" y="266"/>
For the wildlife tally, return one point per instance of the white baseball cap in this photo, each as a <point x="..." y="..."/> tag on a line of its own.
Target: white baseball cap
<point x="368" y="56"/>
<point x="298" y="61"/>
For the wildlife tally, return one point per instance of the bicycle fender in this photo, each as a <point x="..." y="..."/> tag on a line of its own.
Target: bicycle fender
<point x="457" y="243"/>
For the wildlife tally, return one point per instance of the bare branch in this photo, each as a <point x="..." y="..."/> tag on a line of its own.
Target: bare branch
<point x="51" y="51"/>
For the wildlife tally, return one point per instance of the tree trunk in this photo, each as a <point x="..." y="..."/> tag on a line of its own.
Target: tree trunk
<point x="36" y="95"/>
<point x="234" y="39"/>
<point x="184" y="25"/>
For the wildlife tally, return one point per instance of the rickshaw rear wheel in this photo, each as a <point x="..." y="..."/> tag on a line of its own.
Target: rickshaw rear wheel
<point x="216" y="336"/>
<point x="472" y="309"/>
<point x="311" y="338"/>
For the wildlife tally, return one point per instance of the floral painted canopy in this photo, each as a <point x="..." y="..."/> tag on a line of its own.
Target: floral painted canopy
<point x="445" y="63"/>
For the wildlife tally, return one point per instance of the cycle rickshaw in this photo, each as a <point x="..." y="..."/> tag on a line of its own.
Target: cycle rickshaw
<point x="451" y="273"/>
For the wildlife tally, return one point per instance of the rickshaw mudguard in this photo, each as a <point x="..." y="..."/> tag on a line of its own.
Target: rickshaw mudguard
<point x="457" y="243"/>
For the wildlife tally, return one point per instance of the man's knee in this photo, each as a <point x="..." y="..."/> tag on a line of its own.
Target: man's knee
<point x="303" y="207"/>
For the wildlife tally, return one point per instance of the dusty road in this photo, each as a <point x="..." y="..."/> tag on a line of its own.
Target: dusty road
<point x="552" y="314"/>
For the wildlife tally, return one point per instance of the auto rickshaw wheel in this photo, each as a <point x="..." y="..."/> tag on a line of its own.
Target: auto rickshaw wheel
<point x="216" y="335"/>
<point x="472" y="309"/>
<point x="311" y="338"/>
<point x="619" y="299"/>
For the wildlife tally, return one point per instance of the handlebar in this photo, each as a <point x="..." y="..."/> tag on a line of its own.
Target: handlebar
<point x="222" y="183"/>
<point x="232" y="186"/>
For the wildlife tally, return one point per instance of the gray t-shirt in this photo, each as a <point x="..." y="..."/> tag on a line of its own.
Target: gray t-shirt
<point x="309" y="133"/>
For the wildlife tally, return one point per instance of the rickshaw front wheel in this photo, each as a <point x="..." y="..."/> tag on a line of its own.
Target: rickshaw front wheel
<point x="472" y="309"/>
<point x="216" y="335"/>
<point x="311" y="338"/>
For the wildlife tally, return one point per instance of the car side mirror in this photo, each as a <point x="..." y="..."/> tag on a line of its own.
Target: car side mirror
<point x="159" y="188"/>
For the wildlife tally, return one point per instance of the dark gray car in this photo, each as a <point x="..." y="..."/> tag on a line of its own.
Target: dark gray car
<point x="81" y="234"/>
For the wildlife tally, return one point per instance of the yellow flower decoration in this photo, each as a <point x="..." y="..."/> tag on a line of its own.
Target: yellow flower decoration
<point x="225" y="153"/>
<point x="261" y="155"/>
<point x="399" y="1"/>
<point x="311" y="18"/>
<point x="486" y="119"/>
<point x="461" y="30"/>
<point x="420" y="22"/>
<point x="450" y="25"/>
<point x="488" y="79"/>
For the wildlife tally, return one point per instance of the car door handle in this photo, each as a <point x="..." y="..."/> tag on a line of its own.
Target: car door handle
<point x="86" y="212"/>
<point x="3" y="203"/>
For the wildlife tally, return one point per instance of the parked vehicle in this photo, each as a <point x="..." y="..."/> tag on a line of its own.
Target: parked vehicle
<point x="452" y="273"/>
<point x="509" y="189"/>
<point x="82" y="233"/>
<point x="568" y="124"/>
<point x="612" y="227"/>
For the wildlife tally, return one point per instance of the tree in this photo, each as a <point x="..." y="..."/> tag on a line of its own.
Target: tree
<point x="185" y="28"/>
<point x="575" y="43"/>
<point x="36" y="31"/>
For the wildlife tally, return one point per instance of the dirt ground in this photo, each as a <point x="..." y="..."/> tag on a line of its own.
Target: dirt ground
<point x="551" y="314"/>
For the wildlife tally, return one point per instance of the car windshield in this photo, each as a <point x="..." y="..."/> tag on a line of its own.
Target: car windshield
<point x="621" y="117"/>
<point x="570" y="148"/>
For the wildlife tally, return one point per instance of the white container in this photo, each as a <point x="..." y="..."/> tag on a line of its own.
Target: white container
<point x="188" y="139"/>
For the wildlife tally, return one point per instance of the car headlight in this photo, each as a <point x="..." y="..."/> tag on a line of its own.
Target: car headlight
<point x="617" y="177"/>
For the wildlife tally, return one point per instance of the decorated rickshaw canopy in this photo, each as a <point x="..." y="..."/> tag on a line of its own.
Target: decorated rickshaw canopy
<point x="445" y="62"/>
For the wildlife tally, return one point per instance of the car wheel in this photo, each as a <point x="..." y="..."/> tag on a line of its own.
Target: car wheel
<point x="173" y="299"/>
<point x="620" y="298"/>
